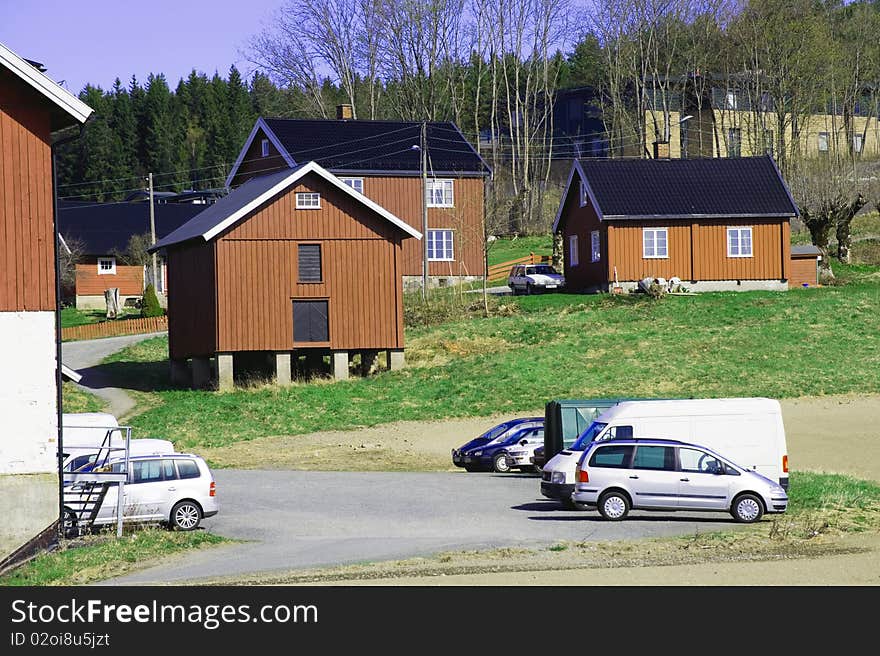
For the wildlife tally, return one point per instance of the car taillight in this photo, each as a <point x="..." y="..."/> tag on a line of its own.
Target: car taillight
<point x="583" y="476"/>
<point x="785" y="464"/>
<point x="212" y="491"/>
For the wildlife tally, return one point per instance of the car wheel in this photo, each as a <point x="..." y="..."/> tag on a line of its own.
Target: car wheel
<point x="529" y="290"/>
<point x="747" y="508"/>
<point x="499" y="463"/>
<point x="614" y="505"/>
<point x="185" y="516"/>
<point x="70" y="524"/>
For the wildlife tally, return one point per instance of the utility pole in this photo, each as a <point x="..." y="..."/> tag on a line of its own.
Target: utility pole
<point x="153" y="235"/>
<point x="424" y="149"/>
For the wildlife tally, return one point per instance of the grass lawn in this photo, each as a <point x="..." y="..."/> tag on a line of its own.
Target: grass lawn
<point x="506" y="249"/>
<point x="799" y="343"/>
<point x="71" y="316"/>
<point x="75" y="399"/>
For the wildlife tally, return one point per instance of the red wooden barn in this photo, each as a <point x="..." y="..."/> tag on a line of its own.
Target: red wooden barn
<point x="291" y="265"/>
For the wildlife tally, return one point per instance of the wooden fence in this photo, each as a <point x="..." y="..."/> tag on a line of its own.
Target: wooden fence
<point x="115" y="328"/>
<point x="502" y="269"/>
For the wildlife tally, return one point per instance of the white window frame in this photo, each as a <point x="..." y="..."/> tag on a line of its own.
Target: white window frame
<point x="595" y="246"/>
<point x="264" y="148"/>
<point x="447" y="244"/>
<point x="308" y="200"/>
<point x="107" y="272"/>
<point x="731" y="100"/>
<point x="443" y="183"/>
<point x="654" y="254"/>
<point x="739" y="231"/>
<point x="583" y="192"/>
<point x="822" y="139"/>
<point x="572" y="250"/>
<point x="858" y="143"/>
<point x="355" y="183"/>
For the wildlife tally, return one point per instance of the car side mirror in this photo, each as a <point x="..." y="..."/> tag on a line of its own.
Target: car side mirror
<point x="523" y="442"/>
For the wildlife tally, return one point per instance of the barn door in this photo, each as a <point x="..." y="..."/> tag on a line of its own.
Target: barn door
<point x="310" y="322"/>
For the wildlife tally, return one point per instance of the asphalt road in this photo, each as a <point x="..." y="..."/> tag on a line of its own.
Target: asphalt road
<point x="300" y="519"/>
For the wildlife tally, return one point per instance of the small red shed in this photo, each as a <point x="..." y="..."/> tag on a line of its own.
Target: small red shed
<point x="294" y="264"/>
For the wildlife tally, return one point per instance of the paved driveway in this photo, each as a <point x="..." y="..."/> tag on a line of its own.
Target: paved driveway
<point x="298" y="519"/>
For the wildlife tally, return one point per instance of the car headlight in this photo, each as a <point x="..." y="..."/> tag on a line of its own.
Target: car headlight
<point x="477" y="454"/>
<point x="557" y="477"/>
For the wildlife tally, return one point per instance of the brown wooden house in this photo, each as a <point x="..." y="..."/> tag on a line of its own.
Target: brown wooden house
<point x="383" y="161"/>
<point x="34" y="112"/>
<point x="294" y="264"/>
<point x="716" y="224"/>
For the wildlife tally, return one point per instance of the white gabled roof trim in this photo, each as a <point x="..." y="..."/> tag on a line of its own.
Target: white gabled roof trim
<point x="576" y="167"/>
<point x="259" y="125"/>
<point x="45" y="85"/>
<point x="311" y="167"/>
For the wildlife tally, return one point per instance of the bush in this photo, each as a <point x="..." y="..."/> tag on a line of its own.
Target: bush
<point x="150" y="306"/>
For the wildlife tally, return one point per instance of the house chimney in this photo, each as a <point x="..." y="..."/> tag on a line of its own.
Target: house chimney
<point x="661" y="150"/>
<point x="344" y="112"/>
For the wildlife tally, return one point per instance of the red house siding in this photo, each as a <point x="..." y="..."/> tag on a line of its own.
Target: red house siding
<point x="27" y="248"/>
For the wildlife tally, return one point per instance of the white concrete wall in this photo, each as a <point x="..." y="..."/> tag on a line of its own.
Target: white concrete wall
<point x="28" y="400"/>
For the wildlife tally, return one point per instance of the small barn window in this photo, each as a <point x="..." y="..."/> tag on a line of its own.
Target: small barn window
<point x="355" y="183"/>
<point x="106" y="265"/>
<point x="739" y="242"/>
<point x="573" y="250"/>
<point x="583" y="193"/>
<point x="823" y="142"/>
<point x="309" y="262"/>
<point x="857" y="143"/>
<point x="595" y="247"/>
<point x="655" y="243"/>
<point x="440" y="193"/>
<point x="308" y="201"/>
<point x="310" y="321"/>
<point x="264" y="145"/>
<point x="440" y="245"/>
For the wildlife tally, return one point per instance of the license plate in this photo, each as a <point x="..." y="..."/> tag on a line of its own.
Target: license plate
<point x="551" y="286"/>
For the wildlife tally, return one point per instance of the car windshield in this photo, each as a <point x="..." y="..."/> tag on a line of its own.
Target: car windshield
<point x="543" y="269"/>
<point x="584" y="439"/>
<point x="516" y="436"/>
<point x="496" y="431"/>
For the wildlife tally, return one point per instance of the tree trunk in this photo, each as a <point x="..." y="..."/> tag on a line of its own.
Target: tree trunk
<point x="558" y="252"/>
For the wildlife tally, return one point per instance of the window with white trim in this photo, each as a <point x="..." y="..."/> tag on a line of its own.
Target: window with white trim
<point x="739" y="242"/>
<point x="355" y="183"/>
<point x="595" y="250"/>
<point x="308" y="200"/>
<point x="440" y="245"/>
<point x="573" y="250"/>
<point x="264" y="145"/>
<point x="655" y="243"/>
<point x="583" y="193"/>
<point x="823" y="142"/>
<point x="440" y="193"/>
<point x="857" y="143"/>
<point x="106" y="266"/>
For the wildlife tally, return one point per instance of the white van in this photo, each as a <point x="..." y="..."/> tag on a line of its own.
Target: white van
<point x="90" y="435"/>
<point x="749" y="431"/>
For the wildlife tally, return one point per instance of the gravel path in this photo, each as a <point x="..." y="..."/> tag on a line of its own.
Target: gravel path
<point x="85" y="358"/>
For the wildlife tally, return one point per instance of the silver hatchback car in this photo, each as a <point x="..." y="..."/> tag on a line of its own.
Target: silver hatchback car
<point x="652" y="474"/>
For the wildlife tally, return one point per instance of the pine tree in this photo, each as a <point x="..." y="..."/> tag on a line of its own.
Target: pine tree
<point x="151" y="307"/>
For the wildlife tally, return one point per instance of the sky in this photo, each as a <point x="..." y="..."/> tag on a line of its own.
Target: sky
<point x="96" y="41"/>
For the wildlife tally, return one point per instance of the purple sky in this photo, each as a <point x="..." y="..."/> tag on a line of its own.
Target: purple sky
<point x="96" y="41"/>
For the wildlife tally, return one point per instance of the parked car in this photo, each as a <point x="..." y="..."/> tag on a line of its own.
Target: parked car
<point x="173" y="489"/>
<point x="533" y="278"/>
<point x="493" y="456"/>
<point x="494" y="434"/>
<point x="522" y="456"/>
<point x="538" y="459"/>
<point x="618" y="475"/>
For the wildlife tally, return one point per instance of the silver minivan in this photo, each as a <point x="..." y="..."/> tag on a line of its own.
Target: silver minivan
<point x="623" y="474"/>
<point x="174" y="489"/>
